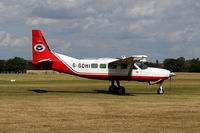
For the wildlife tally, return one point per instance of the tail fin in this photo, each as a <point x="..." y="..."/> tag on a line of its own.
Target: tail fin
<point x="41" y="51"/>
<point x="43" y="57"/>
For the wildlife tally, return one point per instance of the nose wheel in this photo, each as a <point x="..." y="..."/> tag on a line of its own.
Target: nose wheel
<point x="160" y="90"/>
<point x="113" y="89"/>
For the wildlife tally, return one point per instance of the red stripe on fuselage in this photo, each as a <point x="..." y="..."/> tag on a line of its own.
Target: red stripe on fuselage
<point x="116" y="77"/>
<point x="58" y="65"/>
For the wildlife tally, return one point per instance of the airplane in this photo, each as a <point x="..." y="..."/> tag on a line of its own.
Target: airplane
<point x="114" y="69"/>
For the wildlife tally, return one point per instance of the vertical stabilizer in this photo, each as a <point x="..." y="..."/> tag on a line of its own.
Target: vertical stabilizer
<point x="40" y="48"/>
<point x="43" y="57"/>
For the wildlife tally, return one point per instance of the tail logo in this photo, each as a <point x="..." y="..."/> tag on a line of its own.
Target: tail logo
<point x="39" y="47"/>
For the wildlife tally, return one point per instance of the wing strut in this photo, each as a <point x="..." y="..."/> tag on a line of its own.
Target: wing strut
<point x="130" y="70"/>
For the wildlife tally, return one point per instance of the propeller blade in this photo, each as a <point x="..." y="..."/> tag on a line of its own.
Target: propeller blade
<point x="170" y="77"/>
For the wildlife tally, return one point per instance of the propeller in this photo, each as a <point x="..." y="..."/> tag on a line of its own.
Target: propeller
<point x="170" y="78"/>
<point x="172" y="74"/>
<point x="170" y="84"/>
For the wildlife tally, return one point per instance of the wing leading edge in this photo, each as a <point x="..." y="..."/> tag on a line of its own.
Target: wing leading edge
<point x="130" y="60"/>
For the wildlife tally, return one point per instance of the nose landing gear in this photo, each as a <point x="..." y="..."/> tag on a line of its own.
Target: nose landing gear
<point x="160" y="91"/>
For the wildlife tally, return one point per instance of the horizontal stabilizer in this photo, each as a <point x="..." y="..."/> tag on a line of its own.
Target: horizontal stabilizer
<point x="45" y="60"/>
<point x="42" y="61"/>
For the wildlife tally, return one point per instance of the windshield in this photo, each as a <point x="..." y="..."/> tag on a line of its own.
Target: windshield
<point x="141" y="65"/>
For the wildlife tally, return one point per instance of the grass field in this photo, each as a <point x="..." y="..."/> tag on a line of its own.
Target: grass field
<point x="59" y="103"/>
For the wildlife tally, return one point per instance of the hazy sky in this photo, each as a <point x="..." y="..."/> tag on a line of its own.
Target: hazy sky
<point x="102" y="28"/>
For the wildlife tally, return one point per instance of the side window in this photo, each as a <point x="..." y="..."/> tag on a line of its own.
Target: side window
<point x="102" y="65"/>
<point x="124" y="66"/>
<point x="111" y="66"/>
<point x="94" y="65"/>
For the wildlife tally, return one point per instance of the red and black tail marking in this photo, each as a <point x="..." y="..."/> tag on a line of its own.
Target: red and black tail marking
<point x="42" y="55"/>
<point x="40" y="48"/>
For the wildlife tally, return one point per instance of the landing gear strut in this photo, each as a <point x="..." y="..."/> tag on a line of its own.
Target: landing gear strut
<point x="160" y="90"/>
<point x="113" y="89"/>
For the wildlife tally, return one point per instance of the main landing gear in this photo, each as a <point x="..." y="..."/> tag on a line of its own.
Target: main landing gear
<point x="113" y="89"/>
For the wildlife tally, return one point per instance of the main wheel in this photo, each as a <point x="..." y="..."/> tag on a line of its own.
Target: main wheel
<point x="160" y="91"/>
<point x="121" y="90"/>
<point x="113" y="89"/>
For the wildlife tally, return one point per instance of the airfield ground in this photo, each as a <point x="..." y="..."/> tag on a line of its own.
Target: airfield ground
<point x="59" y="103"/>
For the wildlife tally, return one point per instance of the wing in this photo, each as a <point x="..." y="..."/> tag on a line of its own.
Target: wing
<point x="130" y="61"/>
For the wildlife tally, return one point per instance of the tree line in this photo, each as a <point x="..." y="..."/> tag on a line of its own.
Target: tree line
<point x="178" y="65"/>
<point x="20" y="65"/>
<point x="16" y="65"/>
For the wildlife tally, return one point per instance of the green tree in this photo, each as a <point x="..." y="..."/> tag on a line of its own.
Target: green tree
<point x="195" y="65"/>
<point x="170" y="64"/>
<point x="187" y="66"/>
<point x="180" y="64"/>
<point x="2" y="65"/>
<point x="174" y="65"/>
<point x="16" y="64"/>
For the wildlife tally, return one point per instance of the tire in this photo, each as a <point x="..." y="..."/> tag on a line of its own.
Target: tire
<point x="113" y="89"/>
<point x="160" y="91"/>
<point x="121" y="90"/>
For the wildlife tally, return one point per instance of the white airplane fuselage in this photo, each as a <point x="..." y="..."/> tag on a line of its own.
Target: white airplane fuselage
<point x="84" y="68"/>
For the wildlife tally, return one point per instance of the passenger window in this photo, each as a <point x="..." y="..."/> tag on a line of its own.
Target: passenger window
<point x="102" y="65"/>
<point x="124" y="66"/>
<point x="94" y="65"/>
<point x="112" y="66"/>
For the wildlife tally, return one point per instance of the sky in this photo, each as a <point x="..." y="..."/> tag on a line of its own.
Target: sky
<point x="159" y="29"/>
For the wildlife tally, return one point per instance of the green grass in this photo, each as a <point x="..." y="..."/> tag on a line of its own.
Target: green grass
<point x="63" y="103"/>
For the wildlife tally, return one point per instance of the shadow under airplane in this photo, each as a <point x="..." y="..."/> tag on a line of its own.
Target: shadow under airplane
<point x="89" y="92"/>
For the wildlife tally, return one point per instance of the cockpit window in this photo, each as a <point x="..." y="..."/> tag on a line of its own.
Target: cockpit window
<point x="141" y="65"/>
<point x="134" y="67"/>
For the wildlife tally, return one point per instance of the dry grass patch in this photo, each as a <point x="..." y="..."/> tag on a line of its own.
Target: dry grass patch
<point x="46" y="105"/>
